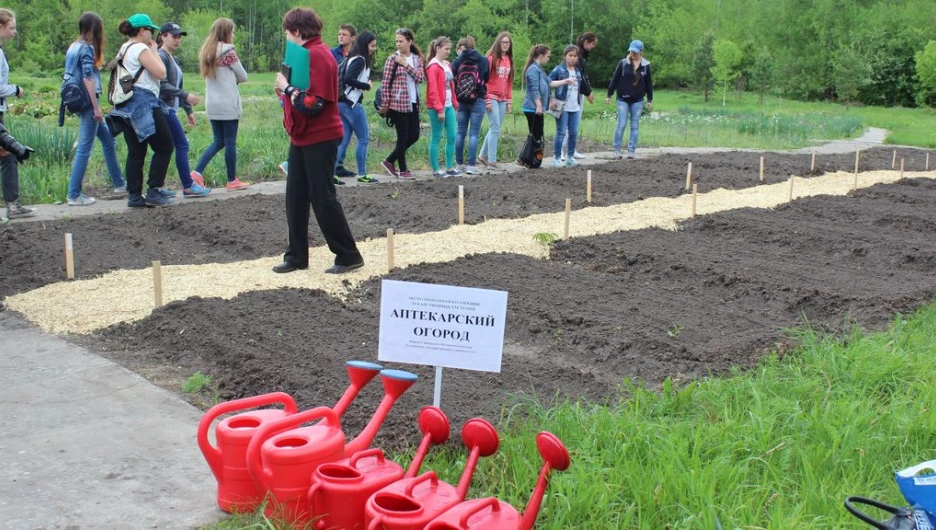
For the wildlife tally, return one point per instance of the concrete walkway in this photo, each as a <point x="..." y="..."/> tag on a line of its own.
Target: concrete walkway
<point x="88" y="444"/>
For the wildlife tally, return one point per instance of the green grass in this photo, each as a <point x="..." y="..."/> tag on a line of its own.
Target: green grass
<point x="679" y="119"/>
<point x="777" y="447"/>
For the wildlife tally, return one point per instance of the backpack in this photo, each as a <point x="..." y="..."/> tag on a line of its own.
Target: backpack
<point x="74" y="94"/>
<point x="467" y="82"/>
<point x="120" y="86"/>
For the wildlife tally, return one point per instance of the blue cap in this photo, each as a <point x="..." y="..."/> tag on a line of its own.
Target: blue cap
<point x="635" y="46"/>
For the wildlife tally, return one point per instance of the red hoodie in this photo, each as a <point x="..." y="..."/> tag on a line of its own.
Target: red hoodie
<point x="435" y="87"/>
<point x="305" y="129"/>
<point x="499" y="86"/>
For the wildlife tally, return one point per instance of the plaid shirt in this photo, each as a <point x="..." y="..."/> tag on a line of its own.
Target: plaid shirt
<point x="396" y="89"/>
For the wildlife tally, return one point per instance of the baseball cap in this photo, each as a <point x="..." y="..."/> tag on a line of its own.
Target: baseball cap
<point x="173" y="28"/>
<point x="141" y="20"/>
<point x="635" y="46"/>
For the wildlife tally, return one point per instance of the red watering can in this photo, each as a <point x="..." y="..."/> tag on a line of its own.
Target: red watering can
<point x="340" y="490"/>
<point x="237" y="491"/>
<point x="411" y="503"/>
<point x="493" y="514"/>
<point x="282" y="456"/>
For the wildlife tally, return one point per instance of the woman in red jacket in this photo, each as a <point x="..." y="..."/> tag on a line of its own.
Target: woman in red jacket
<point x="312" y="121"/>
<point x="442" y="104"/>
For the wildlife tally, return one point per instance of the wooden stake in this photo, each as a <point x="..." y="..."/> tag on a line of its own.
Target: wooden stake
<point x="812" y="166"/>
<point x="894" y="160"/>
<point x="901" y="167"/>
<point x="389" y="249"/>
<point x="695" y="191"/>
<point x="927" y="161"/>
<point x="762" y="169"/>
<point x="588" y="187"/>
<point x="157" y="283"/>
<point x="688" y="176"/>
<point x="791" y="188"/>
<point x="69" y="258"/>
<point x="461" y="204"/>
<point x="565" y="226"/>
<point x="857" y="157"/>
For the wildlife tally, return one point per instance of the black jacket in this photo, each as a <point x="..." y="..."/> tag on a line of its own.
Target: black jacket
<point x="623" y="81"/>
<point x="167" y="89"/>
<point x="583" y="67"/>
<point x="484" y="68"/>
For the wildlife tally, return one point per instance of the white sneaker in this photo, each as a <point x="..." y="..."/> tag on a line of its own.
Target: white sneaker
<point x="472" y="170"/>
<point x="81" y="200"/>
<point x="631" y="156"/>
<point x="578" y="155"/>
<point x="558" y="162"/>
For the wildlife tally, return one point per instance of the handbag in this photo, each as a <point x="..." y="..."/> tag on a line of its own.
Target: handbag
<point x="531" y="154"/>
<point x="555" y="108"/>
<point x="383" y="107"/>
<point x="901" y="518"/>
<point x="75" y="97"/>
<point x="120" y="86"/>
<point x="918" y="485"/>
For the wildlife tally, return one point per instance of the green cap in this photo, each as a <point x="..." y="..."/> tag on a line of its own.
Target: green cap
<point x="141" y="20"/>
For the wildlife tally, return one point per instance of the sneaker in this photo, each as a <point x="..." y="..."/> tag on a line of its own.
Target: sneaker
<point x="120" y="190"/>
<point x="135" y="200"/>
<point x="366" y="179"/>
<point x="454" y="172"/>
<point x="153" y="197"/>
<point x="390" y="168"/>
<point x="283" y="168"/>
<point x="338" y="181"/>
<point x="494" y="166"/>
<point x="461" y="167"/>
<point x="340" y="171"/>
<point x="483" y="162"/>
<point x="578" y="155"/>
<point x="618" y="155"/>
<point x="473" y="170"/>
<point x="235" y="185"/>
<point x="439" y="174"/>
<point x="4" y="220"/>
<point x="571" y="162"/>
<point x="15" y="210"/>
<point x="557" y="162"/>
<point x="406" y="175"/>
<point x="563" y="157"/>
<point x="166" y="192"/>
<point x="198" y="178"/>
<point x="631" y="156"/>
<point x="81" y="200"/>
<point x="196" y="191"/>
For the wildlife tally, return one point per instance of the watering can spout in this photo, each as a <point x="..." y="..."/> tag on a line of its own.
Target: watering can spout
<point x="435" y="427"/>
<point x="555" y="456"/>
<point x="359" y="374"/>
<point x="395" y="382"/>
<point x="481" y="437"/>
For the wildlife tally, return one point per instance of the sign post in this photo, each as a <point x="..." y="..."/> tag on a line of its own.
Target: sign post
<point x="441" y="326"/>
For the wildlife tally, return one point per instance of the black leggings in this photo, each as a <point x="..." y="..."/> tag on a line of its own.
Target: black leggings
<point x="535" y="123"/>
<point x="162" y="145"/>
<point x="407" y="134"/>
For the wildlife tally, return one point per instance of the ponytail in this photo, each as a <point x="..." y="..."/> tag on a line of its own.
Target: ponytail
<point x="536" y="51"/>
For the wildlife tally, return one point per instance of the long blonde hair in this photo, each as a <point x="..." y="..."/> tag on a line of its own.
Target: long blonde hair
<point x="222" y="31"/>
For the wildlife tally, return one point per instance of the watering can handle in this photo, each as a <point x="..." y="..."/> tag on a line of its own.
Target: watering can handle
<point x="428" y="475"/>
<point x="212" y="453"/>
<point x="493" y="502"/>
<point x="254" y="463"/>
<point x="375" y="523"/>
<point x="366" y="453"/>
<point x="312" y="499"/>
<point x="849" y="505"/>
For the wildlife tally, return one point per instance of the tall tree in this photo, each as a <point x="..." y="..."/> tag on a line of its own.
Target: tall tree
<point x="703" y="62"/>
<point x="727" y="59"/>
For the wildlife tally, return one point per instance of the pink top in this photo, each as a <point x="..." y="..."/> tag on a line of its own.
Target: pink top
<point x="499" y="87"/>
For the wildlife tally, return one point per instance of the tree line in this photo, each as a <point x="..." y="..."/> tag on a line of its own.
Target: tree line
<point x="875" y="52"/>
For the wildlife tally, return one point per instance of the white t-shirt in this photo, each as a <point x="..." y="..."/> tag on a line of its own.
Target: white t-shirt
<point x="410" y="82"/>
<point x="354" y="94"/>
<point x="131" y="62"/>
<point x="449" y="76"/>
<point x="572" y="95"/>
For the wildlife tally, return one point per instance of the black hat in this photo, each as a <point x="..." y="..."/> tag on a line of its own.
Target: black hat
<point x="173" y="28"/>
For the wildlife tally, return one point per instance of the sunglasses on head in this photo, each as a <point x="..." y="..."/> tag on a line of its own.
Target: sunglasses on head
<point x="405" y="32"/>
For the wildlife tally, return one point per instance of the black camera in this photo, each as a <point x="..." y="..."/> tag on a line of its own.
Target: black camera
<point x="8" y="143"/>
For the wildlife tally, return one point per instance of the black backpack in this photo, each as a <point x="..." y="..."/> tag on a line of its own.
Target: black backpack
<point x="342" y="68"/>
<point x="467" y="82"/>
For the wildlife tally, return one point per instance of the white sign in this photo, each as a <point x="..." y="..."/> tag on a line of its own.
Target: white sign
<point x="442" y="325"/>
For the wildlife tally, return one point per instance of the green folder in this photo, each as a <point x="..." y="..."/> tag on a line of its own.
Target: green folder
<point x="296" y="63"/>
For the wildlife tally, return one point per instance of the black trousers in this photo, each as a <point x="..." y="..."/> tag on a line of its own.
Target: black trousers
<point x="9" y="172"/>
<point x="535" y="124"/>
<point x="407" y="134"/>
<point x="309" y="180"/>
<point x="162" y="145"/>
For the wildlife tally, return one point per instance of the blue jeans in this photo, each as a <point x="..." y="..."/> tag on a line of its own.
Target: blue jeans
<point x="496" y="117"/>
<point x="225" y="137"/>
<point x="181" y="149"/>
<point x="566" y="122"/>
<point x="354" y="119"/>
<point x="88" y="129"/>
<point x="468" y="113"/>
<point x="635" y="109"/>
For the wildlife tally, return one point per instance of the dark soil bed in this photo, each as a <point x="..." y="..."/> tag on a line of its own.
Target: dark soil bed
<point x="254" y="226"/>
<point x="645" y="305"/>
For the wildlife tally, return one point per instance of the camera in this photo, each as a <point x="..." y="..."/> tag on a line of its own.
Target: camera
<point x="9" y="144"/>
